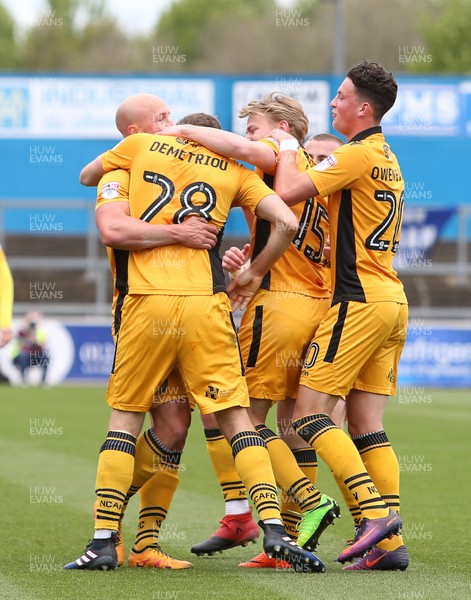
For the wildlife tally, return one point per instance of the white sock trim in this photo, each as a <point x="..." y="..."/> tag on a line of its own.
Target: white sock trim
<point x="102" y="534"/>
<point x="237" y="507"/>
<point x="273" y="522"/>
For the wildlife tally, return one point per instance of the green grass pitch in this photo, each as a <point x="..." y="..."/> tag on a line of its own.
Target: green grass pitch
<point x="49" y="444"/>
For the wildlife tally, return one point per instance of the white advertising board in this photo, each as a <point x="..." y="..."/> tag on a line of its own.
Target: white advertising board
<point x="313" y="95"/>
<point x="84" y="107"/>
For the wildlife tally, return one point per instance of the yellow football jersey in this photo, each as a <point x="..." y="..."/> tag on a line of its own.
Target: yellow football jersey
<point x="366" y="200"/>
<point x="114" y="187"/>
<point x="299" y="269"/>
<point x="6" y="297"/>
<point x="171" y="180"/>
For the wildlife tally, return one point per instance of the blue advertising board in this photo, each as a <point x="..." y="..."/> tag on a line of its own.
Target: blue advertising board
<point x="47" y="134"/>
<point x="94" y="352"/>
<point x="434" y="356"/>
<point x="421" y="229"/>
<point x="73" y="352"/>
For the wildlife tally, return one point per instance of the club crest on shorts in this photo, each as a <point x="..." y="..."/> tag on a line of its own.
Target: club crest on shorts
<point x="212" y="392"/>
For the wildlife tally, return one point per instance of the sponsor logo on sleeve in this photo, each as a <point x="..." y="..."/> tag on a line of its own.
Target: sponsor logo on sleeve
<point x="329" y="161"/>
<point x="110" y="190"/>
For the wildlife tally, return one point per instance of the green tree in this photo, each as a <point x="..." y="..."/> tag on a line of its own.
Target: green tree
<point x="51" y="41"/>
<point x="245" y="36"/>
<point x="8" y="45"/>
<point x="75" y="35"/>
<point x="445" y="28"/>
<point x="187" y="25"/>
<point x="300" y="37"/>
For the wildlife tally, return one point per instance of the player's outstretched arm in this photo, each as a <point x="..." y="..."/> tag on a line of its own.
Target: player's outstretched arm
<point x="92" y="173"/>
<point x="293" y="186"/>
<point x="272" y="209"/>
<point x="119" y="230"/>
<point x="227" y="144"/>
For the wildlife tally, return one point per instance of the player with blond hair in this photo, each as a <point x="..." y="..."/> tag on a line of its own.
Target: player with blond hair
<point x="276" y="328"/>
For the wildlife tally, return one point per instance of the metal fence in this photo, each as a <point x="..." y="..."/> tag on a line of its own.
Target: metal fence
<point x="92" y="265"/>
<point x="440" y="287"/>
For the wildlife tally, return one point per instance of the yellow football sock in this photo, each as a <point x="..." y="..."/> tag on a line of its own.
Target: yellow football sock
<point x="350" y="501"/>
<point x="339" y="452"/>
<point x="290" y="513"/>
<point x="288" y="475"/>
<point x="222" y="460"/>
<point x="382" y="465"/>
<point x="155" y="498"/>
<point x="307" y="461"/>
<point x="114" y="476"/>
<point x="151" y="458"/>
<point x="252" y="462"/>
<point x="156" y="476"/>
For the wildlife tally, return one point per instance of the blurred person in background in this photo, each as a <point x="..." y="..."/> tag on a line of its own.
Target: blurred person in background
<point x="29" y="349"/>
